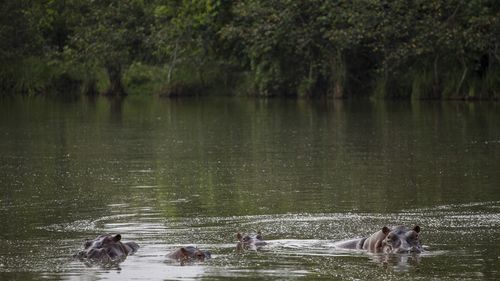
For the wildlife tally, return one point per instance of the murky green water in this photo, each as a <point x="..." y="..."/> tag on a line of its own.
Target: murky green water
<point x="166" y="173"/>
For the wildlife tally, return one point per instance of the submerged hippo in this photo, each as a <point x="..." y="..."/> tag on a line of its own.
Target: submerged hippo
<point x="189" y="254"/>
<point x="250" y="241"/>
<point x="107" y="248"/>
<point x="400" y="239"/>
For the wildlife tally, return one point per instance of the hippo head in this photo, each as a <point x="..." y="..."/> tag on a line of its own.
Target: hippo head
<point x="250" y="241"/>
<point x="107" y="248"/>
<point x="193" y="253"/>
<point x="403" y="240"/>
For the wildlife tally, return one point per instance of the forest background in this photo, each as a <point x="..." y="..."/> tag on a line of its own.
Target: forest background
<point x="420" y="49"/>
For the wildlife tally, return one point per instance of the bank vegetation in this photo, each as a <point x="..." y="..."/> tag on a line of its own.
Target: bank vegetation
<point x="418" y="49"/>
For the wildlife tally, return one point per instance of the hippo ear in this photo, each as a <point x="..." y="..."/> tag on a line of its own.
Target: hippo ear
<point x="239" y="236"/>
<point x="183" y="251"/>
<point x="87" y="244"/>
<point x="117" y="237"/>
<point x="385" y="230"/>
<point x="416" y="228"/>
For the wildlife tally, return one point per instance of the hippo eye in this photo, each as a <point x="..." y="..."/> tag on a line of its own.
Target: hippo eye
<point x="413" y="236"/>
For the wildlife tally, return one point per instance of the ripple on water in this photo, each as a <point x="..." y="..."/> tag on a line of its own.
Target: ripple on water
<point x="300" y="245"/>
<point x="86" y="225"/>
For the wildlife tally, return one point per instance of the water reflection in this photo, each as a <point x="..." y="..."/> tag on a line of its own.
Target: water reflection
<point x="195" y="172"/>
<point x="397" y="262"/>
<point x="280" y="258"/>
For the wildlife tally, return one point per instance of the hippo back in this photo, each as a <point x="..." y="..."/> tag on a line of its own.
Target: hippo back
<point x="400" y="239"/>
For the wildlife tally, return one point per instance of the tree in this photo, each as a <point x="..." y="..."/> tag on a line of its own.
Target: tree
<point x="111" y="34"/>
<point x="280" y="43"/>
<point x="185" y="35"/>
<point x="17" y="40"/>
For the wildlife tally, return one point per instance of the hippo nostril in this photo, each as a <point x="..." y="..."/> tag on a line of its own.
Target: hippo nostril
<point x="81" y="254"/>
<point x="387" y="249"/>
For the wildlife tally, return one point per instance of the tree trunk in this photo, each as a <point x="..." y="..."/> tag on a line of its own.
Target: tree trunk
<point x="115" y="81"/>
<point x="172" y="62"/>
<point x="464" y="74"/>
<point x="436" y="86"/>
<point x="339" y="78"/>
<point x="495" y="52"/>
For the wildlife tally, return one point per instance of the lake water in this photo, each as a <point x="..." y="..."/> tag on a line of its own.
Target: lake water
<point x="167" y="173"/>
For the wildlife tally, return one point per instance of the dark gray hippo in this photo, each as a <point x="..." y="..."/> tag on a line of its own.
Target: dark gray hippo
<point x="400" y="239"/>
<point x="250" y="241"/>
<point x="189" y="254"/>
<point x="107" y="248"/>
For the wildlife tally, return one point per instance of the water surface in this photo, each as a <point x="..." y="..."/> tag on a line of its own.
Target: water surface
<point x="167" y="173"/>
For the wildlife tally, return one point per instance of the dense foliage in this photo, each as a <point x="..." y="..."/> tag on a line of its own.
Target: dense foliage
<point x="310" y="48"/>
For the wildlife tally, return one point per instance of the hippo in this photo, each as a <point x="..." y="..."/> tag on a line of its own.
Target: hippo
<point x="250" y="241"/>
<point x="107" y="248"/>
<point x="400" y="239"/>
<point x="188" y="254"/>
